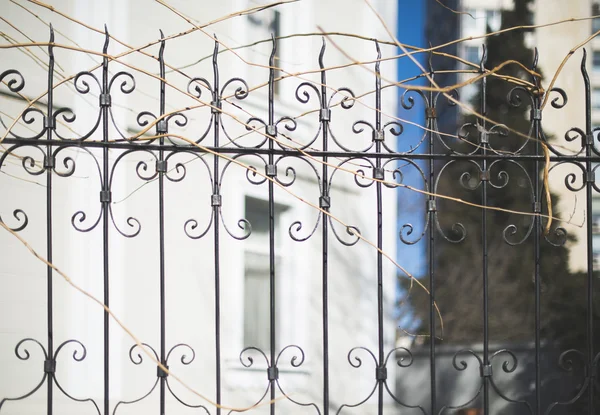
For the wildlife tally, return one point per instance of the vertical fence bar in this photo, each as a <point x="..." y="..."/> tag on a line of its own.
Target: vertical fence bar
<point x="589" y="182"/>
<point x="50" y="363"/>
<point x="161" y="168"/>
<point x="216" y="203"/>
<point x="105" y="199"/>
<point x="537" y="230"/>
<point x="378" y="174"/>
<point x="272" y="173"/>
<point x="483" y="140"/>
<point x="324" y="203"/>
<point x="431" y="208"/>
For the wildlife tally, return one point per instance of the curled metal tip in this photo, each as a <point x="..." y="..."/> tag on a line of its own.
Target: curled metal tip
<point x="106" y="40"/>
<point x="584" y="71"/>
<point x="430" y="60"/>
<point x="215" y="52"/>
<point x="322" y="53"/>
<point x="162" y="44"/>
<point x="273" y="51"/>
<point x="483" y="58"/>
<point x="378" y="63"/>
<point x="51" y="46"/>
<point x="536" y="57"/>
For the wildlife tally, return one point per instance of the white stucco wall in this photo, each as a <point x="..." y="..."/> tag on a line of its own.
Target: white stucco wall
<point x="134" y="277"/>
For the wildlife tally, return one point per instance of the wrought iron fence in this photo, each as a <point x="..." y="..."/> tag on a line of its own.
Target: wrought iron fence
<point x="432" y="154"/>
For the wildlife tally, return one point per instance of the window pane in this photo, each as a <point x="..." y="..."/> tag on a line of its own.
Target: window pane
<point x="256" y="301"/>
<point x="596" y="98"/>
<point x="596" y="223"/>
<point x="257" y="314"/>
<point x="596" y="61"/>
<point x="472" y="54"/>
<point x="257" y="308"/>
<point x="595" y="12"/>
<point x="257" y="213"/>
<point x="493" y="19"/>
<point x="468" y="22"/>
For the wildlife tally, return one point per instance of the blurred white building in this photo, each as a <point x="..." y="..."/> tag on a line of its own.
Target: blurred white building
<point x="189" y="263"/>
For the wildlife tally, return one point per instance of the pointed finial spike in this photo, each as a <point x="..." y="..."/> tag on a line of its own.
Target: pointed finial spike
<point x="106" y="40"/>
<point x="430" y="58"/>
<point x="215" y="50"/>
<point x="483" y="58"/>
<point x="322" y="53"/>
<point x="273" y="51"/>
<point x="535" y="58"/>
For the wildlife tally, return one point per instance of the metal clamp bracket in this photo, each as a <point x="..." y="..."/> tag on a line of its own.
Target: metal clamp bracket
<point x="105" y="196"/>
<point x="160" y="372"/>
<point x="272" y="373"/>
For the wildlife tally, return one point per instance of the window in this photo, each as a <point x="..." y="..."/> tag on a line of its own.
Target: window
<point x="596" y="61"/>
<point x="477" y="21"/>
<point x="595" y="25"/>
<point x="595" y="12"/>
<point x="596" y="98"/>
<point x="468" y="22"/>
<point x="596" y="223"/>
<point x="472" y="54"/>
<point x="257" y="304"/>
<point x="596" y="261"/>
<point x="493" y="19"/>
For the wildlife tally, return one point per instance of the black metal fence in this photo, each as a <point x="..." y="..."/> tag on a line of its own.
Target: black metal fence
<point x="428" y="158"/>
